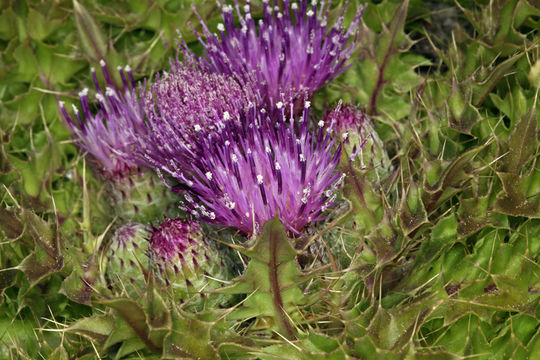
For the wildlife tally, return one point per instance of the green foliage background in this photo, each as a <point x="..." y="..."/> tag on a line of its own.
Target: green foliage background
<point x="439" y="260"/>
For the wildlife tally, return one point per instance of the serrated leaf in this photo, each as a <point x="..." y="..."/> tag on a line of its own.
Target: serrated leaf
<point x="522" y="143"/>
<point x="159" y="316"/>
<point x="7" y="24"/>
<point x="45" y="258"/>
<point x="136" y="317"/>
<point x="36" y="25"/>
<point x="412" y="213"/>
<point x="522" y="195"/>
<point x="26" y="61"/>
<point x="40" y="264"/>
<point x="482" y="89"/>
<point x="392" y="329"/>
<point x="443" y="234"/>
<point x="92" y="38"/>
<point x="76" y="288"/>
<point x="130" y="346"/>
<point x="189" y="339"/>
<point x="270" y="281"/>
<point x="450" y="177"/>
<point x="323" y="343"/>
<point x="96" y="328"/>
<point x="366" y="208"/>
<point x="473" y="215"/>
<point x="122" y="331"/>
<point x="59" y="353"/>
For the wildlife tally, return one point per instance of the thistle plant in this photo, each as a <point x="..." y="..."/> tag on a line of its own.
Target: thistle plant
<point x="439" y="259"/>
<point x="108" y="135"/>
<point x="293" y="52"/>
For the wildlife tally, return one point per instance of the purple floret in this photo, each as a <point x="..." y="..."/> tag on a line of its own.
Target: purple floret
<point x="108" y="133"/>
<point x="260" y="165"/>
<point x="290" y="53"/>
<point x="186" y="107"/>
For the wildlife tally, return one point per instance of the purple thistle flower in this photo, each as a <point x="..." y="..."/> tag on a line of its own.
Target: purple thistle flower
<point x="108" y="135"/>
<point x="287" y="58"/>
<point x="186" y="107"/>
<point x="259" y="166"/>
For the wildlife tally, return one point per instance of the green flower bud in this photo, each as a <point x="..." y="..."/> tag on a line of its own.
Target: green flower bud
<point x="360" y="140"/>
<point x="187" y="264"/>
<point x="128" y="259"/>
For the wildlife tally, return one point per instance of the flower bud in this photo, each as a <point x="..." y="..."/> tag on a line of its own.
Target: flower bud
<point x="127" y="258"/>
<point x="187" y="263"/>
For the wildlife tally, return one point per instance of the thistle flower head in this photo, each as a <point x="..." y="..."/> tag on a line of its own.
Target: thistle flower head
<point x="360" y="139"/>
<point x="346" y="118"/>
<point x="174" y="242"/>
<point x="291" y="52"/>
<point x="260" y="165"/>
<point x="108" y="133"/>
<point x="185" y="107"/>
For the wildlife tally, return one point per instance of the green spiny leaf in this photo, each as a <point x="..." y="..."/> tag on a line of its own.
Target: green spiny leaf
<point x="59" y="353"/>
<point x="136" y="317"/>
<point x="521" y="195"/>
<point x="122" y="331"/>
<point x="270" y="280"/>
<point x="91" y="36"/>
<point x="443" y="234"/>
<point x="96" y="328"/>
<point x="522" y="143"/>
